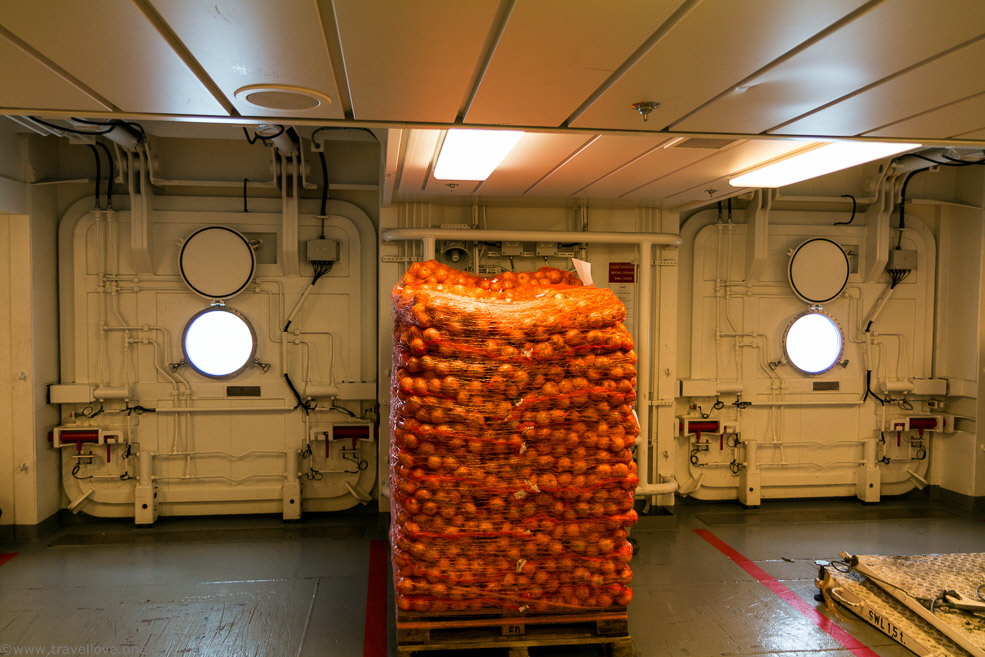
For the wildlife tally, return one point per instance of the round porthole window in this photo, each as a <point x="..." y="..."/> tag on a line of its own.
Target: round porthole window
<point x="818" y="270"/>
<point x="216" y="262"/>
<point x="219" y="342"/>
<point x="813" y="343"/>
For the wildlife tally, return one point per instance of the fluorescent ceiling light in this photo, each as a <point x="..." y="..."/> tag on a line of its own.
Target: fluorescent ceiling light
<point x="473" y="154"/>
<point x="824" y="158"/>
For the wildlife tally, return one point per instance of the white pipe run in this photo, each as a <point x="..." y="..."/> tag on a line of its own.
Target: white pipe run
<point x="225" y="409"/>
<point x="428" y="236"/>
<point x="644" y="249"/>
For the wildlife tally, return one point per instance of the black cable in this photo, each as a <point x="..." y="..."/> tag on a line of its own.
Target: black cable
<point x="324" y="189"/>
<point x="896" y="277"/>
<point x="342" y="409"/>
<point x="245" y="180"/>
<point x="112" y="175"/>
<point x="361" y="464"/>
<point x="139" y="128"/>
<point x="955" y="162"/>
<point x="95" y="154"/>
<point x="951" y="161"/>
<point x="113" y="123"/>
<point x="854" y="207"/>
<point x="321" y="267"/>
<point x="89" y="412"/>
<point x="306" y="406"/>
<point x="75" y="471"/>
<point x="931" y="160"/>
<point x="249" y="139"/>
<point x="101" y="124"/>
<point x="72" y="130"/>
<point x="902" y="202"/>
<point x="325" y="127"/>
<point x="869" y="391"/>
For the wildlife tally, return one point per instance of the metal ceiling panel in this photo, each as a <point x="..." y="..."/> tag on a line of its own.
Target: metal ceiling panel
<point x="600" y="156"/>
<point x="859" y="54"/>
<point x="553" y="54"/>
<point x="716" y="45"/>
<point x="412" y="61"/>
<point x="237" y="42"/>
<point x="26" y="83"/>
<point x="663" y="160"/>
<point x="952" y="77"/>
<point x="112" y="48"/>
<point x="419" y="151"/>
<point x="974" y="134"/>
<point x="963" y="117"/>
<point x="531" y="161"/>
<point x="451" y="190"/>
<point x="711" y="173"/>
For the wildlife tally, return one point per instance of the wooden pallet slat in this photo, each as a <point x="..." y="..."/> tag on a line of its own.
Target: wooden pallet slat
<point x="514" y="634"/>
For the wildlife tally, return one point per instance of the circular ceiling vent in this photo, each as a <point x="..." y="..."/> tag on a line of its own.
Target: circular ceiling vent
<point x="818" y="270"/>
<point x="282" y="97"/>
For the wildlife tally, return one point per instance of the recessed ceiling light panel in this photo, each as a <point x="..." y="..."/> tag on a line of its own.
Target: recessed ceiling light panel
<point x="817" y="160"/>
<point x="473" y="154"/>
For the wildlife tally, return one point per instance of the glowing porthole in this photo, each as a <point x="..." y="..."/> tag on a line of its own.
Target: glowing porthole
<point x="219" y="343"/>
<point x="813" y="343"/>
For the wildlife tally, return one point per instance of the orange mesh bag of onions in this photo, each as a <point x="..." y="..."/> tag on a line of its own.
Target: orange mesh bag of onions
<point x="511" y="471"/>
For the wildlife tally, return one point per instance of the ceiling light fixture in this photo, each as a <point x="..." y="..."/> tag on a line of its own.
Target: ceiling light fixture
<point x="473" y="154"/>
<point x="818" y="160"/>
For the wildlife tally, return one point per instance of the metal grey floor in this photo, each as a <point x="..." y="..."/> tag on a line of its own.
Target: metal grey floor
<point x="254" y="586"/>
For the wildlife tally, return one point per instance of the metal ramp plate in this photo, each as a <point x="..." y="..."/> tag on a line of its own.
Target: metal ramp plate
<point x="902" y="597"/>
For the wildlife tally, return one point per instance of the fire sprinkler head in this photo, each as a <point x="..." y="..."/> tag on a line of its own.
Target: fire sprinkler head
<point x="644" y="108"/>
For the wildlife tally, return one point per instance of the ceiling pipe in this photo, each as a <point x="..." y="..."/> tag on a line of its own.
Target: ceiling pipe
<point x="430" y="235"/>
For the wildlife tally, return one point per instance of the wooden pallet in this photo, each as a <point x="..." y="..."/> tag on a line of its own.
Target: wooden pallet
<point x="513" y="634"/>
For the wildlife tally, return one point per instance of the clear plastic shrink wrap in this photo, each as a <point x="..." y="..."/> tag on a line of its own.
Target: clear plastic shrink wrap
<point x="511" y="471"/>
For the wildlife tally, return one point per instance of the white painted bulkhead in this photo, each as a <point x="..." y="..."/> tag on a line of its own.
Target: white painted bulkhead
<point x="213" y="449"/>
<point x="718" y="306"/>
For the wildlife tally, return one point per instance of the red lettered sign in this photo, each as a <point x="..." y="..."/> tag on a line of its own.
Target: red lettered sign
<point x="622" y="272"/>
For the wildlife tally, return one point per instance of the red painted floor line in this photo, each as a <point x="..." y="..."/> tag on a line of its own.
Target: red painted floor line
<point x="6" y="556"/>
<point x="374" y="637"/>
<point x="849" y="642"/>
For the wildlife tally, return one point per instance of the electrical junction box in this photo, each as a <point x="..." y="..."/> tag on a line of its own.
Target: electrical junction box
<point x="699" y="388"/>
<point x="320" y="250"/>
<point x="902" y="259"/>
<point x="512" y="248"/>
<point x="545" y="248"/>
<point x="936" y="387"/>
<point x="70" y="393"/>
<point x="357" y="390"/>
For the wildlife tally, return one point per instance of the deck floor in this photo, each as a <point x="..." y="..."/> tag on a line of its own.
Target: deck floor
<point x="710" y="580"/>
